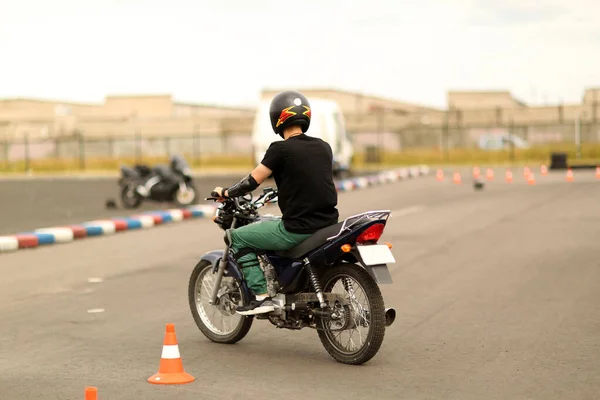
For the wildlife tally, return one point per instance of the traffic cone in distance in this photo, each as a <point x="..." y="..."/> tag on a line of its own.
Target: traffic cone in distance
<point x="170" y="371"/>
<point x="476" y="172"/>
<point x="457" y="180"/>
<point x="439" y="175"/>
<point x="526" y="172"/>
<point x="544" y="170"/>
<point x="91" y="393"/>
<point x="489" y="174"/>
<point x="531" y="179"/>
<point x="508" y="176"/>
<point x="570" y="176"/>
<point x="598" y="172"/>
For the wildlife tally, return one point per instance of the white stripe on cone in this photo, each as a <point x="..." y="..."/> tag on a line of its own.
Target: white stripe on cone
<point x="170" y="352"/>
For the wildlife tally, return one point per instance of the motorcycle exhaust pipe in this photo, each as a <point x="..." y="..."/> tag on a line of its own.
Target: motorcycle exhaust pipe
<point x="390" y="316"/>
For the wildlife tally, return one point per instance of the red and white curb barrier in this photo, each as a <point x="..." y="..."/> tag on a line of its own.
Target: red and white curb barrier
<point x="380" y="178"/>
<point x="111" y="226"/>
<point x="146" y="220"/>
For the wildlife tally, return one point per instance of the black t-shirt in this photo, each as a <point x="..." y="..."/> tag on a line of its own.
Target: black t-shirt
<point x="303" y="171"/>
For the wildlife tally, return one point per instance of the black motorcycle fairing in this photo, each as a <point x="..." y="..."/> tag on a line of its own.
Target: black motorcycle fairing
<point x="128" y="172"/>
<point x="179" y="165"/>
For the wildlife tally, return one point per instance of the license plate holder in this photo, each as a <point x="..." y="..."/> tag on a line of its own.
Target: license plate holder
<point x="376" y="254"/>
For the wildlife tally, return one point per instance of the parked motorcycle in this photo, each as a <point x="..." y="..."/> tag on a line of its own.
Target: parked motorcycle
<point x="317" y="284"/>
<point x="161" y="183"/>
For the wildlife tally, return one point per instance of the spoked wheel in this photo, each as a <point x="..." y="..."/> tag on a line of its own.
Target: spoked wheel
<point x="356" y="337"/>
<point x="220" y="323"/>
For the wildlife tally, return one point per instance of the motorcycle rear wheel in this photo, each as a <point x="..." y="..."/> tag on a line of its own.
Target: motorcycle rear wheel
<point x="130" y="198"/>
<point x="355" y="315"/>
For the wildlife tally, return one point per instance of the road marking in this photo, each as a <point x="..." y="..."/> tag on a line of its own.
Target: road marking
<point x="406" y="211"/>
<point x="95" y="310"/>
<point x="95" y="280"/>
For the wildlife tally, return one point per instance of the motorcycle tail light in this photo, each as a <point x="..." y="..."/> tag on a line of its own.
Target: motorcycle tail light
<point x="371" y="234"/>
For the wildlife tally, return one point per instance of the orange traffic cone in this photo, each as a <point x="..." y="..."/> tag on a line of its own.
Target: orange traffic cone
<point x="531" y="179"/>
<point x="91" y="393"/>
<point x="439" y="175"/>
<point x="544" y="170"/>
<point x="598" y="172"/>
<point x="570" y="177"/>
<point x="171" y="368"/>
<point x="476" y="172"/>
<point x="489" y="174"/>
<point x="456" y="178"/>
<point x="508" y="176"/>
<point x="526" y="172"/>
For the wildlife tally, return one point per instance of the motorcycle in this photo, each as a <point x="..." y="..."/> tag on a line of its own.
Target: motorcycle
<point x="301" y="282"/>
<point x="172" y="183"/>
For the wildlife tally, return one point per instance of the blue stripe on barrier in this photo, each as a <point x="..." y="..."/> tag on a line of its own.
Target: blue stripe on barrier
<point x="166" y="216"/>
<point x="93" y="230"/>
<point x="43" y="238"/>
<point x="133" y="223"/>
<point x="197" y="213"/>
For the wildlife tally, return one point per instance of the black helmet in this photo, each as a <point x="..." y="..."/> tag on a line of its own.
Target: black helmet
<point x="289" y="108"/>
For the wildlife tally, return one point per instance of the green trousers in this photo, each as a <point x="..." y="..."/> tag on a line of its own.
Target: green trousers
<point x="266" y="235"/>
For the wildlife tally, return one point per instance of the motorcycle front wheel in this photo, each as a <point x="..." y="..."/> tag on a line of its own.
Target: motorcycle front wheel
<point x="357" y="336"/>
<point x="219" y="323"/>
<point x="130" y="198"/>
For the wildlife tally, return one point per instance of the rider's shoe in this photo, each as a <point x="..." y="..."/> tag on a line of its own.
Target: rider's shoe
<point x="257" y="307"/>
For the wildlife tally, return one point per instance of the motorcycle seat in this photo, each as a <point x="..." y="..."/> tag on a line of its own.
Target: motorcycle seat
<point x="317" y="239"/>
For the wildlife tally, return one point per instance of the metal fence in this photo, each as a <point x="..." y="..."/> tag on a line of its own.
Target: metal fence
<point x="196" y="147"/>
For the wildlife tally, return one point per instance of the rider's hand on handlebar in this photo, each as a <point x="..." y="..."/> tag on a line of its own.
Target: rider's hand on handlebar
<point x="218" y="193"/>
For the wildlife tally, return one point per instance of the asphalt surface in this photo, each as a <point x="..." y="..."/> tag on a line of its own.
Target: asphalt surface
<point x="27" y="204"/>
<point x="496" y="293"/>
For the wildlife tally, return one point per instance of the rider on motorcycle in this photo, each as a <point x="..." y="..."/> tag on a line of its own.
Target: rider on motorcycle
<point x="302" y="168"/>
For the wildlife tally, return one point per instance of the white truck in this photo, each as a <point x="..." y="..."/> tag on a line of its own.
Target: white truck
<point x="327" y="123"/>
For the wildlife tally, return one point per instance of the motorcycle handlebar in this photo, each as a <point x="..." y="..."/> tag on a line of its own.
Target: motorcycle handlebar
<point x="260" y="201"/>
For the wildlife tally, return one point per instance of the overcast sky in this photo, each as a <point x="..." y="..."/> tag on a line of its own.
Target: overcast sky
<point x="226" y="51"/>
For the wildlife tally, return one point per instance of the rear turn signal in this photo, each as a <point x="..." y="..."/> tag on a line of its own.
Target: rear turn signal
<point x="346" y="248"/>
<point x="371" y="234"/>
<point x="389" y="245"/>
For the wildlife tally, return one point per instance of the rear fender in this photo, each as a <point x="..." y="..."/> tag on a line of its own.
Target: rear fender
<point x="380" y="273"/>
<point x="331" y="253"/>
<point x="232" y="269"/>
